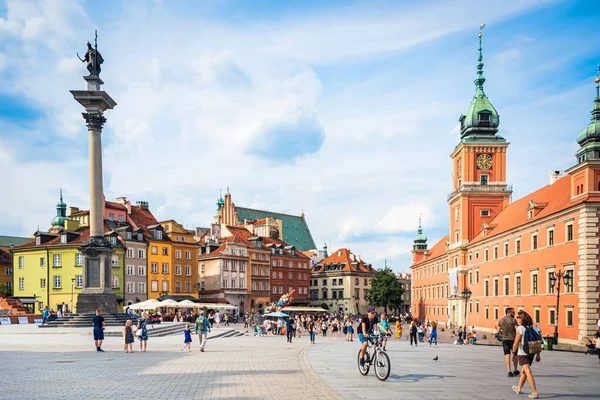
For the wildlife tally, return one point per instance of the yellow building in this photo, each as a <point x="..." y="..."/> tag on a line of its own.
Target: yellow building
<point x="49" y="269"/>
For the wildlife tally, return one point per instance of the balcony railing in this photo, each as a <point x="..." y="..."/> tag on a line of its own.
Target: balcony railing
<point x="468" y="187"/>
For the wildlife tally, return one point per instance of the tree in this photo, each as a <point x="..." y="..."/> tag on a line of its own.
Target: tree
<point x="5" y="289"/>
<point x="386" y="290"/>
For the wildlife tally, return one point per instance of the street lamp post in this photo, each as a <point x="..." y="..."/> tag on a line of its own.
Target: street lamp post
<point x="555" y="280"/>
<point x="466" y="294"/>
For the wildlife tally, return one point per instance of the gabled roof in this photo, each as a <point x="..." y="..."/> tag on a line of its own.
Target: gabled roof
<point x="7" y="241"/>
<point x="79" y="237"/>
<point x="295" y="228"/>
<point x="142" y="218"/>
<point x="344" y="257"/>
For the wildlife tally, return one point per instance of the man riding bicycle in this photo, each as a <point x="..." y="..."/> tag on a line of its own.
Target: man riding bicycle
<point x="367" y="326"/>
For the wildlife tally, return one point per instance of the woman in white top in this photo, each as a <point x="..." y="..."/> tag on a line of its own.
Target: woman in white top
<point x="525" y="359"/>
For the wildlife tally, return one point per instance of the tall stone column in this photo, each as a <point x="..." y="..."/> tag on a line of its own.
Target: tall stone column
<point x="97" y="251"/>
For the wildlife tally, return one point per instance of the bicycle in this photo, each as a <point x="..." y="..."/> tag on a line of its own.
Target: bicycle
<point x="376" y="356"/>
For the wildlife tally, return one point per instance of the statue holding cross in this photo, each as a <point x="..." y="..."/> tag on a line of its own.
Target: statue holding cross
<point x="93" y="58"/>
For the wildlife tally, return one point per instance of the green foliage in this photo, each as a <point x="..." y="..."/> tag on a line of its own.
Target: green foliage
<point x="386" y="290"/>
<point x="5" y="289"/>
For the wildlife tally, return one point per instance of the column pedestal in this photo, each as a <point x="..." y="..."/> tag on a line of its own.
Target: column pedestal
<point x="97" y="293"/>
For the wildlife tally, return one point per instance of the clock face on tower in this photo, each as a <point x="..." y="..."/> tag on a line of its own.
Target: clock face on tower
<point x="484" y="161"/>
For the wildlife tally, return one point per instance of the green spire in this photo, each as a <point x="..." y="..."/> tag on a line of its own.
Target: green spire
<point x="480" y="80"/>
<point x="61" y="213"/>
<point x="589" y="137"/>
<point x="420" y="242"/>
<point x="480" y="122"/>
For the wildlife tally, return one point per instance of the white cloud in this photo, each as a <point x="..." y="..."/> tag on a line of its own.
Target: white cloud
<point x="193" y="94"/>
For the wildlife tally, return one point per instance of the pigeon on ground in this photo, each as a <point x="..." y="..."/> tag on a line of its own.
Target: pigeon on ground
<point x="436" y="358"/>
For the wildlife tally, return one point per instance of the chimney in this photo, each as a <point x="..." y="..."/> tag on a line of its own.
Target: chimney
<point x="123" y="200"/>
<point x="358" y="258"/>
<point x="73" y="210"/>
<point x="142" y="204"/>
<point x="554" y="176"/>
<point x="352" y="257"/>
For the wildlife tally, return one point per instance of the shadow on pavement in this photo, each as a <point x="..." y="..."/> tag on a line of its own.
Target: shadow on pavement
<point x="418" y="377"/>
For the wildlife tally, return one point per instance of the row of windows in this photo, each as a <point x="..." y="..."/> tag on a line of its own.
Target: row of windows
<point x="233" y="283"/>
<point x="279" y="263"/>
<point x="57" y="282"/>
<point x="260" y="285"/>
<point x="131" y="286"/>
<point x="154" y="250"/>
<point x="534" y="243"/>
<point x="279" y="289"/>
<point x="536" y="315"/>
<point x="141" y="253"/>
<point x="431" y="270"/>
<point x="440" y="291"/>
<point x="260" y="271"/>
<point x="141" y="270"/>
<point x="279" y="275"/>
<point x="57" y="261"/>
<point x="234" y="265"/>
<point x="534" y="284"/>
<point x="336" y="281"/>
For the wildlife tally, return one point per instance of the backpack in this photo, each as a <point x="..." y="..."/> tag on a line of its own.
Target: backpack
<point x="200" y="324"/>
<point x="532" y="342"/>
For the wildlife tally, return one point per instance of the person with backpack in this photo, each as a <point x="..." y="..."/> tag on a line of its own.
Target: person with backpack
<point x="527" y="346"/>
<point x="202" y="329"/>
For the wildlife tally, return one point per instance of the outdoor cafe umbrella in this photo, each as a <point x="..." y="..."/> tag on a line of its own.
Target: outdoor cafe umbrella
<point x="166" y="303"/>
<point x="187" y="304"/>
<point x="144" y="305"/>
<point x="277" y="314"/>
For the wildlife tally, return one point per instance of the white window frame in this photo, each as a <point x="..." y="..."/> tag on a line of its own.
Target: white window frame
<point x="550" y="232"/>
<point x="21" y="262"/>
<point x="57" y="282"/>
<point x="21" y="283"/>
<point x="130" y="287"/>
<point x="141" y="287"/>
<point x="531" y="283"/>
<point x="484" y="213"/>
<point x="570" y="223"/>
<point x="178" y="254"/>
<point x="78" y="281"/>
<point x="130" y="270"/>
<point x="518" y="275"/>
<point x="165" y="286"/>
<point x="154" y="267"/>
<point x="154" y="285"/>
<point x="56" y="260"/>
<point x="115" y="282"/>
<point x="63" y="239"/>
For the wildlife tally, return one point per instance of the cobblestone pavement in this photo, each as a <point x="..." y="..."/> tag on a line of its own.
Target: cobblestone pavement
<point x="462" y="372"/>
<point x="65" y="365"/>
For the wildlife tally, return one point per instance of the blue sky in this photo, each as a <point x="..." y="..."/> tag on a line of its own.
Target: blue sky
<point x="346" y="110"/>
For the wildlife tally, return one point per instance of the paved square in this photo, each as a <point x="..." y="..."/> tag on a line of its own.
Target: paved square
<point x="62" y="364"/>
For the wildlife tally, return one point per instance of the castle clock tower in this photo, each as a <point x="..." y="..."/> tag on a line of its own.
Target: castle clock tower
<point x="480" y="190"/>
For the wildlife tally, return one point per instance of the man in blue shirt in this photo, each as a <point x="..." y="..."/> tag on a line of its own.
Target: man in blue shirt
<point x="202" y="329"/>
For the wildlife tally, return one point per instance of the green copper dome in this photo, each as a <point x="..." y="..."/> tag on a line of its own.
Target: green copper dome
<point x="589" y="138"/>
<point x="481" y="121"/>
<point x="420" y="242"/>
<point x="61" y="213"/>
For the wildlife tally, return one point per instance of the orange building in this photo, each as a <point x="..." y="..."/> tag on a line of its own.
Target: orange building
<point x="184" y="256"/>
<point x="506" y="253"/>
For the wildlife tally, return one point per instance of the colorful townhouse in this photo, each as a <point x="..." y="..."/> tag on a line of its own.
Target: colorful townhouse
<point x="49" y="269"/>
<point x="184" y="261"/>
<point x="6" y="263"/>
<point x="341" y="283"/>
<point x="222" y="273"/>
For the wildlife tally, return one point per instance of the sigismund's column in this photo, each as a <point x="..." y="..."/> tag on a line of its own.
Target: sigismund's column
<point x="97" y="251"/>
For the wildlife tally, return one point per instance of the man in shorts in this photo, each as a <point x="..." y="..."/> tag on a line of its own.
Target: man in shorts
<point x="507" y="327"/>
<point x="99" y="323"/>
<point x="366" y="327"/>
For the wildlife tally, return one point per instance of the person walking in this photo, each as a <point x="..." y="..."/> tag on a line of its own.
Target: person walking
<point x="413" y="333"/>
<point x="202" y="329"/>
<point x="311" y="330"/>
<point x="289" y="329"/>
<point x="45" y="315"/>
<point x="525" y="358"/>
<point x="142" y="327"/>
<point x="507" y="329"/>
<point x="128" y="337"/>
<point x="98" y="322"/>
<point x="433" y="334"/>
<point x="187" y="338"/>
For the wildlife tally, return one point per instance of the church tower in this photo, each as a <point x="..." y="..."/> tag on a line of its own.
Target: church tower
<point x="480" y="190"/>
<point x="58" y="222"/>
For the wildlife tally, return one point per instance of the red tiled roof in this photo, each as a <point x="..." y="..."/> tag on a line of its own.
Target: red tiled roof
<point x="142" y="218"/>
<point x="84" y="234"/>
<point x="343" y="256"/>
<point x="555" y="197"/>
<point x="115" y="206"/>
